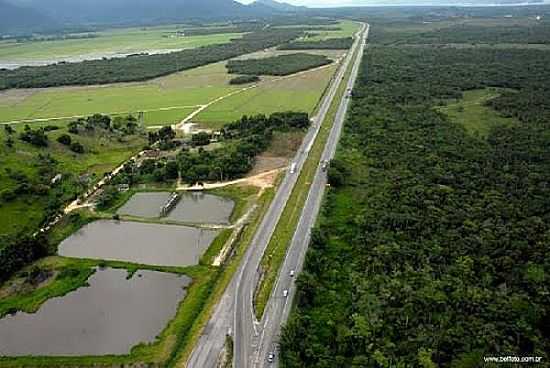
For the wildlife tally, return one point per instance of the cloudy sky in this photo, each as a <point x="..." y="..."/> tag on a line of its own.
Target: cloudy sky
<point x="336" y="3"/>
<point x="319" y="2"/>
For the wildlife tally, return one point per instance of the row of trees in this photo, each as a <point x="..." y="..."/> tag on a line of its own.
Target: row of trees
<point x="141" y="67"/>
<point x="328" y="44"/>
<point x="243" y="139"/>
<point x="127" y="124"/>
<point x="244" y="79"/>
<point x="277" y="65"/>
<point x="434" y="250"/>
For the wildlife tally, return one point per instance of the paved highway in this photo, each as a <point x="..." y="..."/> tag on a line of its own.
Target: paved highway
<point x="279" y="306"/>
<point x="234" y="314"/>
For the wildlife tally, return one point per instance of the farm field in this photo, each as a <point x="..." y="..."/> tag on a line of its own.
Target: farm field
<point x="183" y="90"/>
<point x="170" y="99"/>
<point x="299" y="93"/>
<point x="107" y="43"/>
<point x="347" y="29"/>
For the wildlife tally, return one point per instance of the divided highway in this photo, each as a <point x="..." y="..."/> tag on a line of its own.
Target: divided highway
<point x="279" y="306"/>
<point x="234" y="314"/>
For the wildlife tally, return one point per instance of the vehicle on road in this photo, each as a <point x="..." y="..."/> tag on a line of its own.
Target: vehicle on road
<point x="293" y="168"/>
<point x="292" y="273"/>
<point x="270" y="357"/>
<point x="324" y="165"/>
<point x="285" y="293"/>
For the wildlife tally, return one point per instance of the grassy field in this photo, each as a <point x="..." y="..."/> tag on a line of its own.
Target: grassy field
<point x="127" y="40"/>
<point x="347" y="29"/>
<point x="299" y="93"/>
<point x="181" y="90"/>
<point x="278" y="245"/>
<point x="102" y="153"/>
<point x="169" y="99"/>
<point x="472" y="113"/>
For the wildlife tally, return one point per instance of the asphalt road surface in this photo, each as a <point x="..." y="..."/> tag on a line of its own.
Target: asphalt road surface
<point x="234" y="313"/>
<point x="279" y="307"/>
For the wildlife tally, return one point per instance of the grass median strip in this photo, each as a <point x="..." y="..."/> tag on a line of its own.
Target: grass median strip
<point x="278" y="245"/>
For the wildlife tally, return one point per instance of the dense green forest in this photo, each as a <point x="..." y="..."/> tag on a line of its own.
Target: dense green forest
<point x="432" y="250"/>
<point x="328" y="44"/>
<point x="140" y="67"/>
<point x="277" y="65"/>
<point x="464" y="33"/>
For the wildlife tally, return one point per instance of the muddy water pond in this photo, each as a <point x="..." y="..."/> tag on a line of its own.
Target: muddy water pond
<point x="109" y="316"/>
<point x="202" y="208"/>
<point x="145" y="204"/>
<point x="192" y="208"/>
<point x="151" y="244"/>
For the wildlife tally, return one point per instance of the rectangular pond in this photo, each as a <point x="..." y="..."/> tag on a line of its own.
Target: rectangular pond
<point x="109" y="316"/>
<point x="192" y="208"/>
<point x="151" y="244"/>
<point x="145" y="204"/>
<point x="202" y="208"/>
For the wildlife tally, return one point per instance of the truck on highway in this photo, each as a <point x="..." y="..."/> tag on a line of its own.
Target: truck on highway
<point x="293" y="168"/>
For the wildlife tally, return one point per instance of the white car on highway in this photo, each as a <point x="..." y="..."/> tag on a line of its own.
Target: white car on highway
<point x="285" y="293"/>
<point x="270" y="357"/>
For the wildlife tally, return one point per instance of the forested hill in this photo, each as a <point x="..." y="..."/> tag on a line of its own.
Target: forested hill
<point x="77" y="12"/>
<point x="15" y="18"/>
<point x="433" y="248"/>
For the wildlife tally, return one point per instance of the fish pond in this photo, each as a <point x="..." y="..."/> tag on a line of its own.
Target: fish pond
<point x="191" y="208"/>
<point x="110" y="316"/>
<point x="142" y="243"/>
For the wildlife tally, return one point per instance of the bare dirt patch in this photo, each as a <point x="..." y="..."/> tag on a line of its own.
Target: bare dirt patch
<point x="283" y="147"/>
<point x="268" y="163"/>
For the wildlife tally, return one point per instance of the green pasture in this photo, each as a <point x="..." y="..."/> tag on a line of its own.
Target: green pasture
<point x="474" y="115"/>
<point x="298" y="93"/>
<point x="128" y="40"/>
<point x="164" y="100"/>
<point x="169" y="99"/>
<point x="347" y="29"/>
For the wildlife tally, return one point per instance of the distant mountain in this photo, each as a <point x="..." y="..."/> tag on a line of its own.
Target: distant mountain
<point x="20" y="19"/>
<point x="140" y="11"/>
<point x="280" y="6"/>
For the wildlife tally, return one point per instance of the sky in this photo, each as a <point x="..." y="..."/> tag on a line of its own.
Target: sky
<point x="337" y="3"/>
<point x="319" y="3"/>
